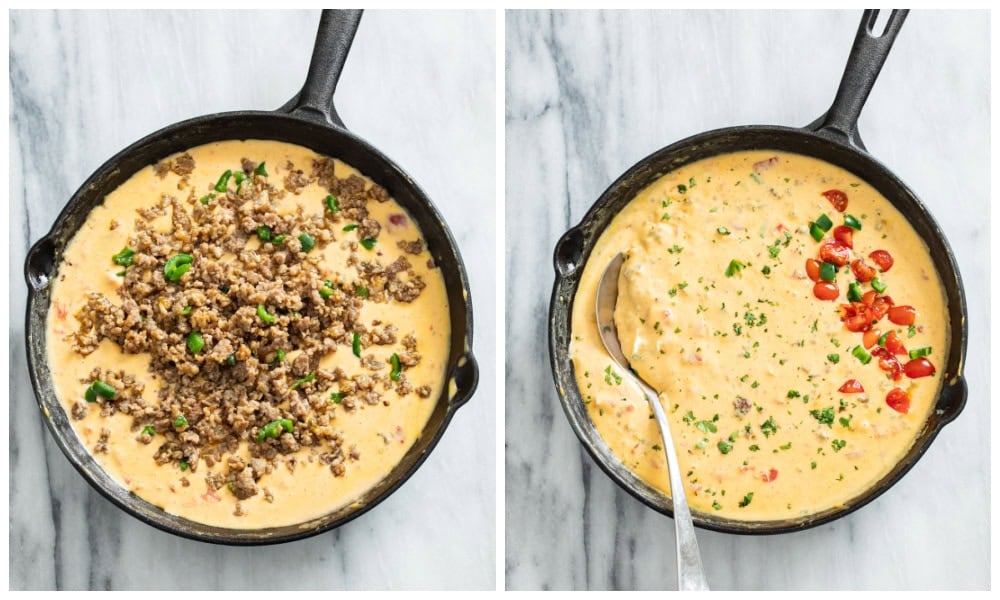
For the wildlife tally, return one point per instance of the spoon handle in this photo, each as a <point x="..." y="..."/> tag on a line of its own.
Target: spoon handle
<point x="690" y="573"/>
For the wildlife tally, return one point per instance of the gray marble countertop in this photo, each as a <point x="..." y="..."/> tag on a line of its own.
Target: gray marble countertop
<point x="590" y="94"/>
<point x="421" y="87"/>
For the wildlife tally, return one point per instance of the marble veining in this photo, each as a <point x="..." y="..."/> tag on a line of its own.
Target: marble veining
<point x="588" y="94"/>
<point x="421" y="87"/>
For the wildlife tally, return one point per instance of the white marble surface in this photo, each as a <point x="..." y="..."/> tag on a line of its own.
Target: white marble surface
<point x="420" y="87"/>
<point x="588" y="95"/>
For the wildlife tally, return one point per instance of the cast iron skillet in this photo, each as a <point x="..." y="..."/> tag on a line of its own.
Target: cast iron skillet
<point x="833" y="138"/>
<point x="308" y="120"/>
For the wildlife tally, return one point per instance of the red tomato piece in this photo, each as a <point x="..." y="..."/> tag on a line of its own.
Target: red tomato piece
<point x="888" y="362"/>
<point x="869" y="297"/>
<point x="898" y="400"/>
<point x="851" y="386"/>
<point x="881" y="306"/>
<point x="870" y="338"/>
<point x="857" y="317"/>
<point x="918" y="367"/>
<point x="903" y="315"/>
<point x="894" y="344"/>
<point x="812" y="268"/>
<point x="862" y="271"/>
<point x="826" y="290"/>
<point x="770" y="475"/>
<point x="835" y="252"/>
<point x="883" y="259"/>
<point x="837" y="198"/>
<point x="844" y="235"/>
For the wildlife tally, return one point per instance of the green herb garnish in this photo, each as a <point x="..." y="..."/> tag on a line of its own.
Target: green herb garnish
<point x="825" y="416"/>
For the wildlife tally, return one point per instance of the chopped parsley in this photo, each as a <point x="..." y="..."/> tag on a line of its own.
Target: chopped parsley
<point x="825" y="416"/>
<point x="609" y="374"/>
<point x="768" y="427"/>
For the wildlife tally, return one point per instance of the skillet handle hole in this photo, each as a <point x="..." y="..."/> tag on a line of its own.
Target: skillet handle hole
<point x="40" y="264"/>
<point x="569" y="250"/>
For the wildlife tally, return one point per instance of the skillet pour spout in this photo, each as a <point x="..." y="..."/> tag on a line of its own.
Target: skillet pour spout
<point x="833" y="138"/>
<point x="309" y="120"/>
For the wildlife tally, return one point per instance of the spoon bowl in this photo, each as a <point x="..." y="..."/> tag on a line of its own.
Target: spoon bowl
<point x="690" y="573"/>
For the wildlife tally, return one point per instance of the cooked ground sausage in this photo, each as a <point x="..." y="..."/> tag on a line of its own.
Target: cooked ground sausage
<point x="236" y="337"/>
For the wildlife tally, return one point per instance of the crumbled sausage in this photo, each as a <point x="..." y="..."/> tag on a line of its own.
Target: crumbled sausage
<point x="213" y="402"/>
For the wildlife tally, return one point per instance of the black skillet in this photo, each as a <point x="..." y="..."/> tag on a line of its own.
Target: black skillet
<point x="308" y="120"/>
<point x="833" y="138"/>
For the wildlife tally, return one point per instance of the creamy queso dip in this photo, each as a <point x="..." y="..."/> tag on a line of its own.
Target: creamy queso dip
<point x="380" y="434"/>
<point x="777" y="407"/>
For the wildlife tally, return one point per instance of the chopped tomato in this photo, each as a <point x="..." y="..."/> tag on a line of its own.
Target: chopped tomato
<point x="888" y="362"/>
<point x="812" y="268"/>
<point x="857" y="316"/>
<point x="844" y="235"/>
<point x="883" y="259"/>
<point x="881" y="306"/>
<point x="862" y="271"/>
<point x="869" y="297"/>
<point x="893" y="344"/>
<point x="835" y="252"/>
<point x="918" y="367"/>
<point x="837" y="198"/>
<point x="870" y="338"/>
<point x="903" y="315"/>
<point x="770" y="475"/>
<point x="898" y="400"/>
<point x="826" y="290"/>
<point x="852" y="386"/>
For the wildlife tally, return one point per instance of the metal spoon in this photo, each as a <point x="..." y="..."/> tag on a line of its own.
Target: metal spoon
<point x="690" y="574"/>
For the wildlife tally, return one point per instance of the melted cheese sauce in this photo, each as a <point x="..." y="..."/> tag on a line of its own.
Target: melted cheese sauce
<point x="703" y="339"/>
<point x="382" y="434"/>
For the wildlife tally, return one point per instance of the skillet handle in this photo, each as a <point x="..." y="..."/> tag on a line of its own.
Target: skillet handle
<point x="333" y="42"/>
<point x="863" y="66"/>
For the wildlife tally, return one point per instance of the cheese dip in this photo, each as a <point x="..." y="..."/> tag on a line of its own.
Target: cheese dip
<point x="248" y="334"/>
<point x="790" y="319"/>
